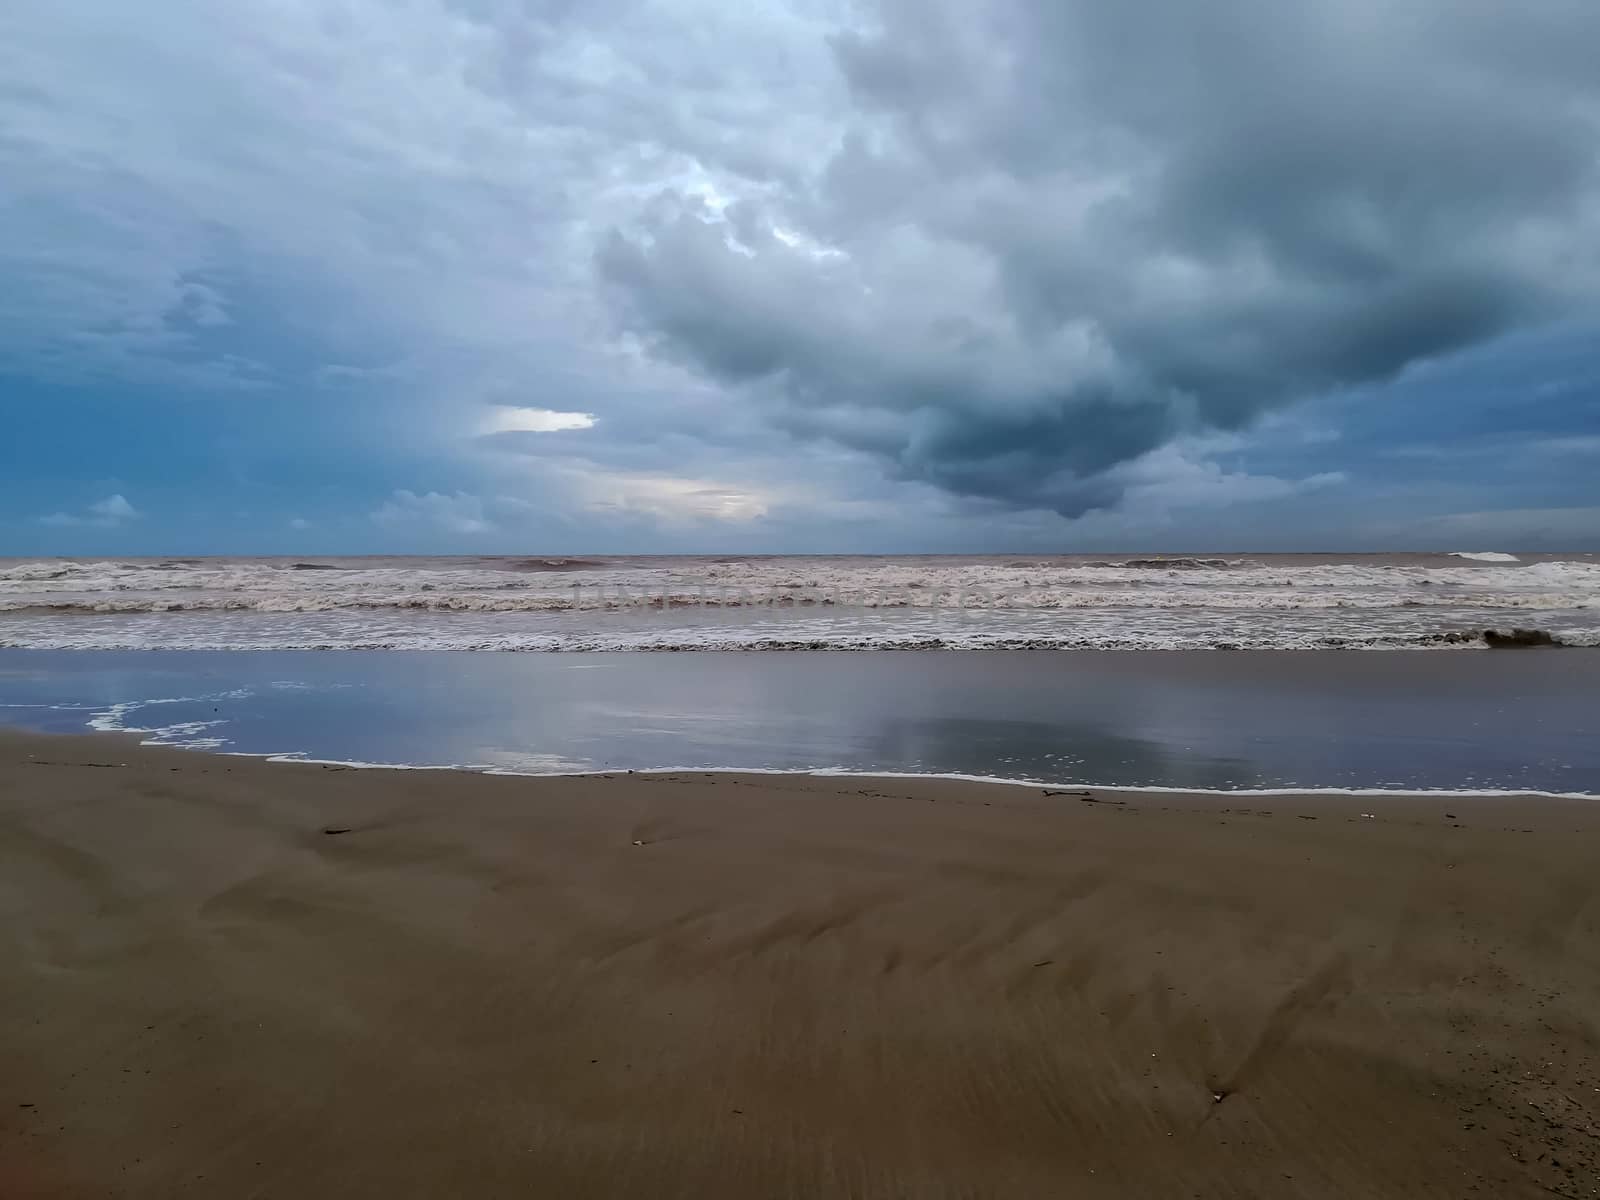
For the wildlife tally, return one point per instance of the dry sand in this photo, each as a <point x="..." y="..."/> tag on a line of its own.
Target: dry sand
<point x="227" y="978"/>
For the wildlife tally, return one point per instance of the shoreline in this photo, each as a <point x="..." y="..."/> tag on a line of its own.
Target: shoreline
<point x="233" y="977"/>
<point x="1253" y="723"/>
<point x="291" y="758"/>
<point x="870" y="776"/>
<point x="1431" y="641"/>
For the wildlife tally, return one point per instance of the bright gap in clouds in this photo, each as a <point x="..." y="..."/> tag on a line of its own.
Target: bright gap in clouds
<point x="508" y="418"/>
<point x="670" y="498"/>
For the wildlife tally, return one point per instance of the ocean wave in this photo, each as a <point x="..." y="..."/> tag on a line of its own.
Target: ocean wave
<point x="905" y="596"/>
<point x="537" y="565"/>
<point x="775" y="603"/>
<point x="476" y="639"/>
<point x="556" y="577"/>
<point x="1172" y="564"/>
<point x="1488" y="556"/>
<point x="94" y="573"/>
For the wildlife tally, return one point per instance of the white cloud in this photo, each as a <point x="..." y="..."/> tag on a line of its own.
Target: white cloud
<point x="460" y="512"/>
<point x="1515" y="528"/>
<point x="114" y="510"/>
<point x="428" y="174"/>
<point x="299" y="523"/>
<point x="455" y="513"/>
<point x="1182" y="476"/>
<point x="668" y="498"/>
<point x="1584" y="444"/>
<point x="506" y="418"/>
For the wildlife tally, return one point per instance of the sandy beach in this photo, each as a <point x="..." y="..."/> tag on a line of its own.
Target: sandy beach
<point x="225" y="977"/>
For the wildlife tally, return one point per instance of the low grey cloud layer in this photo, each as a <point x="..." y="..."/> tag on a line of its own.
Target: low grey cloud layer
<point x="1058" y="234"/>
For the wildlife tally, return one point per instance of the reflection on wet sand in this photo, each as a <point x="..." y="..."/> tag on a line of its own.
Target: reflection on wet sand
<point x="1514" y="720"/>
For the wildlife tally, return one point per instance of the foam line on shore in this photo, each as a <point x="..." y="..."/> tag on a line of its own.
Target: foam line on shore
<point x="950" y="776"/>
<point x="154" y="737"/>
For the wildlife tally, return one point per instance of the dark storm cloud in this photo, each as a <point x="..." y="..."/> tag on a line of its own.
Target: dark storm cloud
<point x="887" y="268"/>
<point x="1056" y="234"/>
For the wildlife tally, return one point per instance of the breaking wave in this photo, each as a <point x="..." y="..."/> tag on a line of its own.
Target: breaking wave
<point x="1172" y="564"/>
<point x="1168" y="602"/>
<point x="1086" y="630"/>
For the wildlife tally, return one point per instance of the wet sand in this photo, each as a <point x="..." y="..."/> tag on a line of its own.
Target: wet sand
<point x="223" y="977"/>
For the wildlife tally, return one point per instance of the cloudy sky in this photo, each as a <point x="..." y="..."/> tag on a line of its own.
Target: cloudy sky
<point x="318" y="276"/>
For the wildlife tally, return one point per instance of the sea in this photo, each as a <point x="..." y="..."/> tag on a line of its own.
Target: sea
<point x="1275" y="601"/>
<point x="1251" y="672"/>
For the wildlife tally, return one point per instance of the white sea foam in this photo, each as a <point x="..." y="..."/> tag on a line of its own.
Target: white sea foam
<point x="191" y="735"/>
<point x="1279" y="601"/>
<point x="186" y="735"/>
<point x="560" y="772"/>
